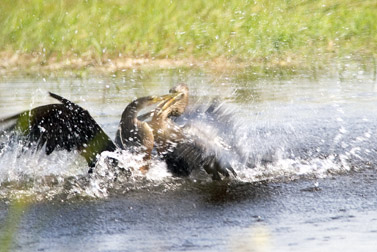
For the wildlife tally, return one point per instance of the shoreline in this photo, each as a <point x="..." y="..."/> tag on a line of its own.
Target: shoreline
<point x="37" y="63"/>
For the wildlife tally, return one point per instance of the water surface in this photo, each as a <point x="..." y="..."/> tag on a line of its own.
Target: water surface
<point x="305" y="157"/>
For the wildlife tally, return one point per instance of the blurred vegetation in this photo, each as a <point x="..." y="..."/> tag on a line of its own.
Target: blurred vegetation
<point x="8" y="230"/>
<point x="243" y="30"/>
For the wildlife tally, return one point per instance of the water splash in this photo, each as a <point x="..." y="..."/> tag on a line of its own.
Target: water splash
<point x="257" y="147"/>
<point x="32" y="173"/>
<point x="118" y="171"/>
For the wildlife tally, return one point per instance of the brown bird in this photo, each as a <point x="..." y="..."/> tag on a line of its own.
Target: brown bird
<point x="134" y="133"/>
<point x="184" y="148"/>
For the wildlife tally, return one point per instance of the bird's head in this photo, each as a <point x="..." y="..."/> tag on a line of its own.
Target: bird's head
<point x="179" y="106"/>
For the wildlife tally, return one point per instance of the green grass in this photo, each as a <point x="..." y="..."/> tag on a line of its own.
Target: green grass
<point x="200" y="29"/>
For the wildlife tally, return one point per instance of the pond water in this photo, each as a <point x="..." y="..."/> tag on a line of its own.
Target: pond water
<point x="305" y="156"/>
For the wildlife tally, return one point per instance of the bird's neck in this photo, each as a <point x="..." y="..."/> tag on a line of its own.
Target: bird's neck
<point x="131" y="111"/>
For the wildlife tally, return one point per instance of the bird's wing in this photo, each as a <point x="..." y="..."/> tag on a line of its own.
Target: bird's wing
<point x="191" y="154"/>
<point x="64" y="126"/>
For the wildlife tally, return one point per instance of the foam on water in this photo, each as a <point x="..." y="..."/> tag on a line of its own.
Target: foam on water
<point x="122" y="176"/>
<point x="32" y="173"/>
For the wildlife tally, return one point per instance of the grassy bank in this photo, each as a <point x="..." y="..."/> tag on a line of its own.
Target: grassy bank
<point x="290" y="31"/>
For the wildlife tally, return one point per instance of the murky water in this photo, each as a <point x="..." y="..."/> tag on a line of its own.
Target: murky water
<point x="304" y="150"/>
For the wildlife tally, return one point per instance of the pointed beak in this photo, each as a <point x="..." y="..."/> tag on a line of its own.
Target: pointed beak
<point x="165" y="102"/>
<point x="165" y="98"/>
<point x="169" y="100"/>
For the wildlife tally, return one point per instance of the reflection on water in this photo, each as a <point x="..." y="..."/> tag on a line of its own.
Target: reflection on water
<point x="255" y="238"/>
<point x="289" y="134"/>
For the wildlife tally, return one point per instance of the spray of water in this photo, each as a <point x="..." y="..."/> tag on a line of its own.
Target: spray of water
<point x="256" y="151"/>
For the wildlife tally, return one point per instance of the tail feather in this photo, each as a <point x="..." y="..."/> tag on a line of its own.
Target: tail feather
<point x="62" y="99"/>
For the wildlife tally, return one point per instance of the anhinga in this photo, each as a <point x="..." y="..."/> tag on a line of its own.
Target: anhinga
<point x="185" y="148"/>
<point x="135" y="134"/>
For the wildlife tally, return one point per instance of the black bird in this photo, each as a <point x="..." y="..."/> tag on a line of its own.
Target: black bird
<point x="62" y="126"/>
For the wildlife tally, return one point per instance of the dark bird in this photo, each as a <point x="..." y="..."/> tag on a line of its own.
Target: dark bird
<point x="62" y="126"/>
<point x="135" y="134"/>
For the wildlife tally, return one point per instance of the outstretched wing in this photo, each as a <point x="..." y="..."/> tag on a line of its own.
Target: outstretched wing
<point x="64" y="126"/>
